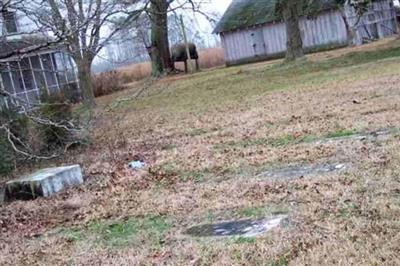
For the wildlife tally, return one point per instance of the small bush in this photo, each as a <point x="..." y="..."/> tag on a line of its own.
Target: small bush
<point x="56" y="109"/>
<point x="18" y="126"/>
<point x="135" y="72"/>
<point x="71" y="92"/>
<point x="6" y="156"/>
<point x="43" y="131"/>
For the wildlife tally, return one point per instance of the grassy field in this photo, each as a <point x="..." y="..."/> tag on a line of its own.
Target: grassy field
<point x="205" y="138"/>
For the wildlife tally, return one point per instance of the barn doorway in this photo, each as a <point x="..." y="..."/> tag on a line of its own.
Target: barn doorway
<point x="258" y="43"/>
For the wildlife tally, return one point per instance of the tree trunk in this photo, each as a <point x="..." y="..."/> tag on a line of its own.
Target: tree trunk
<point x="85" y="81"/>
<point x="156" y="63"/>
<point x="349" y="29"/>
<point x="294" y="42"/>
<point x="160" y="54"/>
<point x="188" y="60"/>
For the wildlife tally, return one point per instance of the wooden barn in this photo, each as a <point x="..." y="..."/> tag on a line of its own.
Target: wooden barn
<point x="251" y="31"/>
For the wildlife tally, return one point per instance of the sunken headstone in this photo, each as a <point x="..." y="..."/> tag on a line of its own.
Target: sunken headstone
<point x="303" y="171"/>
<point x="243" y="228"/>
<point x="44" y="183"/>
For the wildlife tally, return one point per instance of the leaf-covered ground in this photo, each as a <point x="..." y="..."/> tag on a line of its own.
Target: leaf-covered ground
<point x="205" y="138"/>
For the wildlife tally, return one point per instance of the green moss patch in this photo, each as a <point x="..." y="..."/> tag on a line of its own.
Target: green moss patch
<point x="130" y="232"/>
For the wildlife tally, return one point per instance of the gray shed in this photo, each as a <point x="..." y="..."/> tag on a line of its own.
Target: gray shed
<point x="251" y="31"/>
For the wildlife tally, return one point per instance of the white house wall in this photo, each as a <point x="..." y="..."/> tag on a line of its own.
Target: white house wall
<point x="24" y="24"/>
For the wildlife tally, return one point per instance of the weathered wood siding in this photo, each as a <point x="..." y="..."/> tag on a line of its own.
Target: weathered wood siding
<point x="326" y="30"/>
<point x="275" y="38"/>
<point x="378" y="22"/>
<point x="238" y="45"/>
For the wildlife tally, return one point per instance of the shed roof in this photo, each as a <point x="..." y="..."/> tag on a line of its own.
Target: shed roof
<point x="25" y="44"/>
<point x="247" y="13"/>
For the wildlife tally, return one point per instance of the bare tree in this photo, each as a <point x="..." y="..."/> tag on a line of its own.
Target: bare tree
<point x="160" y="54"/>
<point x="291" y="11"/>
<point x="360" y="7"/>
<point x="160" y="48"/>
<point x="88" y="28"/>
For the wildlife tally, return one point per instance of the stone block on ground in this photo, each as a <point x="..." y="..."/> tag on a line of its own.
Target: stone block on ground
<point x="243" y="228"/>
<point x="43" y="183"/>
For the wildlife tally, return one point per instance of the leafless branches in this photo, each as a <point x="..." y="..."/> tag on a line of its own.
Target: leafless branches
<point x="23" y="147"/>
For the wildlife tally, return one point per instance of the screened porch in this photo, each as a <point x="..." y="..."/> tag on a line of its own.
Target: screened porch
<point x="25" y="78"/>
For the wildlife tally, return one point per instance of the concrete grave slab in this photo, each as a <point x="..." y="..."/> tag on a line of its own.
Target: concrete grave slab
<point x="303" y="171"/>
<point x="243" y="228"/>
<point x="44" y="183"/>
<point x="378" y="135"/>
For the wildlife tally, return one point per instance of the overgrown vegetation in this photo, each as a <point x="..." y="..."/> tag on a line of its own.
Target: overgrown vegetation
<point x="18" y="126"/>
<point x="41" y="132"/>
<point x="119" y="234"/>
<point x="108" y="82"/>
<point x="6" y="156"/>
<point x="58" y="110"/>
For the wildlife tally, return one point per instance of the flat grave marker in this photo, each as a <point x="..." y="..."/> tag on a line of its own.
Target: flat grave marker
<point x="243" y="228"/>
<point x="292" y="172"/>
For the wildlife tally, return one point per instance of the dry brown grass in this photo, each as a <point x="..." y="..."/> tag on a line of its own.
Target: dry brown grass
<point x="204" y="140"/>
<point x="135" y="72"/>
<point x="107" y="83"/>
<point x="209" y="58"/>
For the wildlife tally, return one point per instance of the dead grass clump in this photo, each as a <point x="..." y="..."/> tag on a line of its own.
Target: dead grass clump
<point x="107" y="83"/>
<point x="135" y="72"/>
<point x="208" y="58"/>
<point x="212" y="57"/>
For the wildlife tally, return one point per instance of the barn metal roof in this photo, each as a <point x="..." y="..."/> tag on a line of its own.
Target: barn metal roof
<point x="247" y="13"/>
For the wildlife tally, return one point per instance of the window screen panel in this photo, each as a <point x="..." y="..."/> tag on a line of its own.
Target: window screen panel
<point x="16" y="76"/>
<point x="49" y="71"/>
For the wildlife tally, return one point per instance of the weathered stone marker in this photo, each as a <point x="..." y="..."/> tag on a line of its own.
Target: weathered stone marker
<point x="43" y="183"/>
<point x="303" y="171"/>
<point x="378" y="135"/>
<point x="243" y="228"/>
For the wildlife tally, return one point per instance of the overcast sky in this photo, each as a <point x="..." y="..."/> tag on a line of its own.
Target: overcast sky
<point x="204" y="27"/>
<point x="220" y="5"/>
